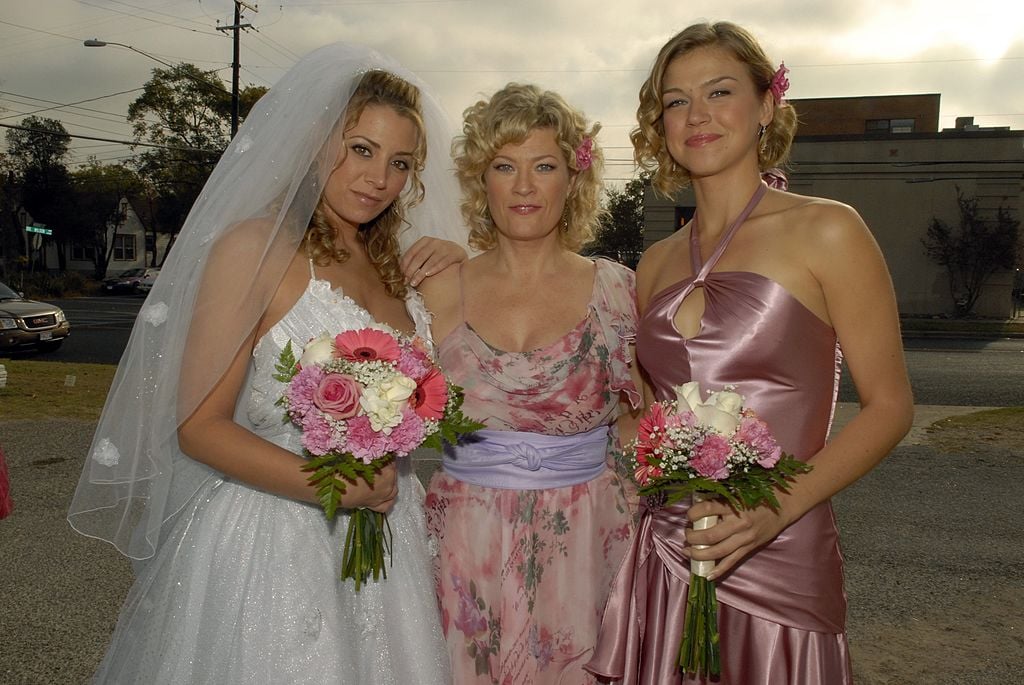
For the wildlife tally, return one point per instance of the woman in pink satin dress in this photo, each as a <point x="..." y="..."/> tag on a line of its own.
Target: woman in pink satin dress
<point x="758" y="291"/>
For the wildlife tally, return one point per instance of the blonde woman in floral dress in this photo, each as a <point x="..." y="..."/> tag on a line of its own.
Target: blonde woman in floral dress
<point x="530" y="520"/>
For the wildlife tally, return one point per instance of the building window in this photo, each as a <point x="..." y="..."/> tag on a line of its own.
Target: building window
<point x="683" y="216"/>
<point x="81" y="253"/>
<point x="889" y="126"/>
<point x="124" y="248"/>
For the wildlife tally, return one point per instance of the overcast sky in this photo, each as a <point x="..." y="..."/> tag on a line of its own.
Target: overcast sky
<point x="594" y="53"/>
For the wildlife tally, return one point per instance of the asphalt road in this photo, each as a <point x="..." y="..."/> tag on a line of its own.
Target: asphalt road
<point x="943" y="371"/>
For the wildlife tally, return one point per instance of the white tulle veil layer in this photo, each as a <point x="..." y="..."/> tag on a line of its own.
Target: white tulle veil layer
<point x="216" y="283"/>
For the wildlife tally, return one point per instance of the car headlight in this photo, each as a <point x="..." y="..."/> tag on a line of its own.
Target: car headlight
<point x="6" y="322"/>
<point x="60" y="316"/>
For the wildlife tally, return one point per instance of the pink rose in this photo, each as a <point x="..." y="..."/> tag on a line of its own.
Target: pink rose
<point x="337" y="395"/>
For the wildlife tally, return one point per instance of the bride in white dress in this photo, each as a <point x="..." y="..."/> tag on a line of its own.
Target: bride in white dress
<point x="194" y="473"/>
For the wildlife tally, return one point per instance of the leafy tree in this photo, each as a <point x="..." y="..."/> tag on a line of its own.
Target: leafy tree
<point x="974" y="250"/>
<point x="36" y="157"/>
<point x="99" y="196"/>
<point x="621" y="234"/>
<point x="187" y="111"/>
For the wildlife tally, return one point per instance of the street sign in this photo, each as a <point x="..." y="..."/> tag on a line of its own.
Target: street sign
<point x="39" y="229"/>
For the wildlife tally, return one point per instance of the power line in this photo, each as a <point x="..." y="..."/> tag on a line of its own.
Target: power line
<point x="155" y="21"/>
<point x="131" y="143"/>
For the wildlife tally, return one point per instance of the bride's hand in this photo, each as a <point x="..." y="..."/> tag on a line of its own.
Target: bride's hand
<point x="736" y="534"/>
<point x="379" y="497"/>
<point x="428" y="256"/>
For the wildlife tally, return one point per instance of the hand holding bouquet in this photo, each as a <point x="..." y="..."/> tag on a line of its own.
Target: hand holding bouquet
<point x="363" y="398"/>
<point x="707" y="448"/>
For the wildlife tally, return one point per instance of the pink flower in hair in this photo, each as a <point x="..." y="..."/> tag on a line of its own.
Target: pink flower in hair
<point x="780" y="84"/>
<point x="585" y="154"/>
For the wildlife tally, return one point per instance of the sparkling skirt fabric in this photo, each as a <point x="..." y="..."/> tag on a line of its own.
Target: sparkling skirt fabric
<point x="245" y="588"/>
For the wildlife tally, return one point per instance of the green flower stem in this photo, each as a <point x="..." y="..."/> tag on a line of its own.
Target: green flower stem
<point x="699" y="652"/>
<point x="367" y="542"/>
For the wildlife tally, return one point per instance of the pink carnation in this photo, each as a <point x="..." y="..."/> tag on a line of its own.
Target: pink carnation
<point x="755" y="432"/>
<point x="710" y="457"/>
<point x="409" y="434"/>
<point x="317" y="435"/>
<point x="364" y="443"/>
<point x="414" y="362"/>
<point x="301" y="390"/>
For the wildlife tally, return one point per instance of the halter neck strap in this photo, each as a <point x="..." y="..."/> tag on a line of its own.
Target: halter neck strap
<point x="702" y="271"/>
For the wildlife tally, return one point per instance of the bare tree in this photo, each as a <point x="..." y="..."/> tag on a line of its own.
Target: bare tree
<point x="974" y="250"/>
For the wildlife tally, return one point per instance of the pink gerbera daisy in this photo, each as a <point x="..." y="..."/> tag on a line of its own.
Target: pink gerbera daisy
<point x="430" y="396"/>
<point x="367" y="344"/>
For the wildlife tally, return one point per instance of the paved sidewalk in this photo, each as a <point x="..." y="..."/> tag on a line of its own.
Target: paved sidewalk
<point x="935" y="564"/>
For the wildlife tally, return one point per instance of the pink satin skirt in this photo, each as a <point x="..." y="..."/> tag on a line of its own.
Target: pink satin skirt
<point x="781" y="612"/>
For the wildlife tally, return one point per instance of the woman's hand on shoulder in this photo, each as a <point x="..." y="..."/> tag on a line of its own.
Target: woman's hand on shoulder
<point x="428" y="257"/>
<point x="442" y="295"/>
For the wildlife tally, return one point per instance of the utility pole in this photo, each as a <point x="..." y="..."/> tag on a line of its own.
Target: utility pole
<point x="235" y="28"/>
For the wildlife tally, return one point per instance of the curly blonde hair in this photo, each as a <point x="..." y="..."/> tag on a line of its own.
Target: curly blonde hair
<point x="380" y="236"/>
<point x="649" y="149"/>
<point x="508" y="117"/>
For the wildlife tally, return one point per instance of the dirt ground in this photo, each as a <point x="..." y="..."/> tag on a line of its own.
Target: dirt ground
<point x="935" y="560"/>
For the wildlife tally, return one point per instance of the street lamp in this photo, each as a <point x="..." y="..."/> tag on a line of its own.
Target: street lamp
<point x="97" y="43"/>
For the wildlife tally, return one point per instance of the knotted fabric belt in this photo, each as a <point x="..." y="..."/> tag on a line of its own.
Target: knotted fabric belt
<point x="517" y="460"/>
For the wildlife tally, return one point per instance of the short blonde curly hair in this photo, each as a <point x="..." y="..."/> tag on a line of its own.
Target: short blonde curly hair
<point x="508" y="117"/>
<point x="649" y="149"/>
<point x="381" y="235"/>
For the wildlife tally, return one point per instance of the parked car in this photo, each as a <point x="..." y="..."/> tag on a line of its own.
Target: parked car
<point x="130" y="281"/>
<point x="146" y="284"/>
<point x="27" y="324"/>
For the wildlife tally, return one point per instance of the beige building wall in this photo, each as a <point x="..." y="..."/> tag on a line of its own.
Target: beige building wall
<point x="898" y="183"/>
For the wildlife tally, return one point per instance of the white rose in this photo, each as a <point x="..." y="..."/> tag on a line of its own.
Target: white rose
<point x="688" y="395"/>
<point x="319" y="350"/>
<point x="727" y="401"/>
<point x="720" y="412"/>
<point x="383" y="403"/>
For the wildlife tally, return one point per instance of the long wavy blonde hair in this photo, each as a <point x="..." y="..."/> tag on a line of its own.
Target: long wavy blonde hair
<point x="649" y="148"/>
<point x="509" y="116"/>
<point x="380" y="236"/>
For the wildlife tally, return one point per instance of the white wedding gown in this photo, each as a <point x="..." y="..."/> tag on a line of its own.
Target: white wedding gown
<point x="245" y="587"/>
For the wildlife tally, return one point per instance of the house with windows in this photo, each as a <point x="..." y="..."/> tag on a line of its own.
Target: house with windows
<point x="886" y="157"/>
<point x="130" y="245"/>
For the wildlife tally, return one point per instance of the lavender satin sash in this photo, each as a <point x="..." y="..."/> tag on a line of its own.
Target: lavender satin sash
<point x="517" y="460"/>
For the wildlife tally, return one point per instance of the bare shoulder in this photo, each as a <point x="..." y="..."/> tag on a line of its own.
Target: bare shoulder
<point x="831" y="236"/>
<point x="820" y="220"/>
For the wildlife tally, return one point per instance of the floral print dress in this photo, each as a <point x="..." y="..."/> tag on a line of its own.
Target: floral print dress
<point x="522" y="575"/>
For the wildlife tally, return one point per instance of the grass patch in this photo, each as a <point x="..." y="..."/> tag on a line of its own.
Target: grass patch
<point x="1003" y="428"/>
<point x="54" y="390"/>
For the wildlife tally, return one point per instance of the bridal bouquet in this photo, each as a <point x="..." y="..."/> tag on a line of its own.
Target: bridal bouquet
<point x="707" y="448"/>
<point x="363" y="398"/>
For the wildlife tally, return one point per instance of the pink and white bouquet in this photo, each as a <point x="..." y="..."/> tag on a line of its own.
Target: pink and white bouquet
<point x="363" y="398"/>
<point x="702" y="448"/>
